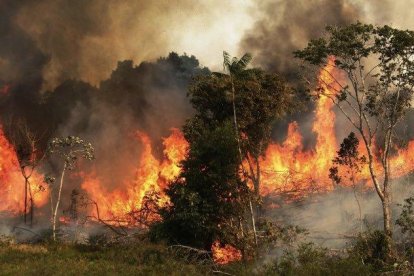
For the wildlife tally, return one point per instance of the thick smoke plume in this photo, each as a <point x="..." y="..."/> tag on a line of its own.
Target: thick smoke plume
<point x="85" y="39"/>
<point x="286" y="26"/>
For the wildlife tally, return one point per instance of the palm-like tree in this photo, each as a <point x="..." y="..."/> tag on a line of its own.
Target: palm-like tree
<point x="235" y="67"/>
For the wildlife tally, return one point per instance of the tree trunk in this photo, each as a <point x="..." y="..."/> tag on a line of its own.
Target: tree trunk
<point x="386" y="209"/>
<point x="57" y="203"/>
<point x="253" y="222"/>
<point x="31" y="210"/>
<point x="384" y="194"/>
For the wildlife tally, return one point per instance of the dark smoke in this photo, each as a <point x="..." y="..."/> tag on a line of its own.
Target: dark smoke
<point x="286" y="26"/>
<point x="21" y="64"/>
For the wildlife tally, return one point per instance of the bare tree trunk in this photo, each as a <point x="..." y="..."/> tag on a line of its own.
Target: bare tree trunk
<point x="240" y="153"/>
<point x="58" y="202"/>
<point x="253" y="222"/>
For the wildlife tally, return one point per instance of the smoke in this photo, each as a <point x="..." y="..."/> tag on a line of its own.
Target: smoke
<point x="150" y="97"/>
<point x="85" y="39"/>
<point x="282" y="27"/>
<point x="334" y="219"/>
<point x="286" y="26"/>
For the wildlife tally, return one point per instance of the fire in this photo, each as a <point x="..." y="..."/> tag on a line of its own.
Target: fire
<point x="12" y="181"/>
<point x="287" y="167"/>
<point x="151" y="175"/>
<point x="224" y="254"/>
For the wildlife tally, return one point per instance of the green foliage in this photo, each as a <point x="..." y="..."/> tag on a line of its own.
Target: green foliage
<point x="391" y="78"/>
<point x="260" y="99"/>
<point x="234" y="65"/>
<point x="406" y="222"/>
<point x="208" y="197"/>
<point x="406" y="218"/>
<point x="371" y="248"/>
<point x="371" y="81"/>
<point x="274" y="236"/>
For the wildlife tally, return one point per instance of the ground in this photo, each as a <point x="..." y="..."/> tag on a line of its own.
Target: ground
<point x="70" y="259"/>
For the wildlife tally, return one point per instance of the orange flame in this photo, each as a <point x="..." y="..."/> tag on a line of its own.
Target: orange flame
<point x="150" y="175"/>
<point x="225" y="254"/>
<point x="287" y="167"/>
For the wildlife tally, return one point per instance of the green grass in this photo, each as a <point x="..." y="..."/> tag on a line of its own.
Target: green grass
<point x="144" y="258"/>
<point x="64" y="259"/>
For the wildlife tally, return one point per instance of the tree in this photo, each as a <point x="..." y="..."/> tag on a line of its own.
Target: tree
<point x="251" y="98"/>
<point x="208" y="200"/>
<point x="235" y="67"/>
<point x="377" y="65"/>
<point x="29" y="156"/>
<point x="69" y="149"/>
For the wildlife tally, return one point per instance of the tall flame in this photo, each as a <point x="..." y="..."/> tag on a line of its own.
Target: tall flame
<point x="150" y="175"/>
<point x="287" y="167"/>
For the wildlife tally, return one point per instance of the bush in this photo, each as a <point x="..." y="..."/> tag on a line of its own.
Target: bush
<point x="406" y="222"/>
<point x="371" y="248"/>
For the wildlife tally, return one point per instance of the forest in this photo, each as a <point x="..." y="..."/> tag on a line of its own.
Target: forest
<point x="296" y="160"/>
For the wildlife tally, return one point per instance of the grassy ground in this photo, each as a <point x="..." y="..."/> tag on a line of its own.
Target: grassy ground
<point x="138" y="257"/>
<point x="50" y="259"/>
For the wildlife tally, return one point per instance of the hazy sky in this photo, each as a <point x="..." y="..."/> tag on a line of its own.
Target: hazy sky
<point x="85" y="39"/>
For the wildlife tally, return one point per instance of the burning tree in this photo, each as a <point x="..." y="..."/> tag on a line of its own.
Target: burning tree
<point x="377" y="65"/>
<point x="29" y="157"/>
<point x="69" y="149"/>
